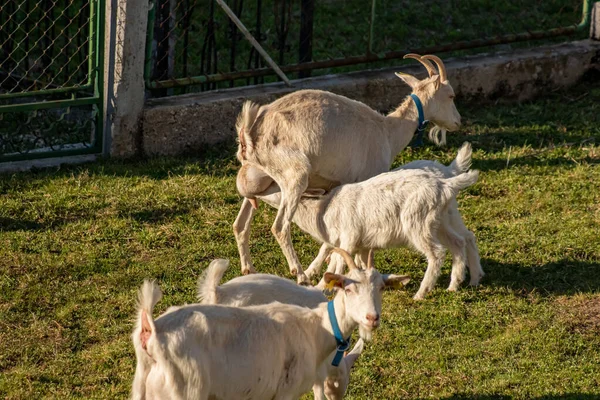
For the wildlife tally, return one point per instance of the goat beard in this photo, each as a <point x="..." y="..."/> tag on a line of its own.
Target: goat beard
<point x="438" y="135"/>
<point x="364" y="333"/>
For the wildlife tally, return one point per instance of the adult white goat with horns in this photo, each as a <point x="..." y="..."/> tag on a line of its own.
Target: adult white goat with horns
<point x="319" y="140"/>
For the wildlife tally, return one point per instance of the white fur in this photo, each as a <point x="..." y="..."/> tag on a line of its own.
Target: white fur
<point x="256" y="289"/>
<point x="408" y="206"/>
<point x="271" y="351"/>
<point x="312" y="139"/>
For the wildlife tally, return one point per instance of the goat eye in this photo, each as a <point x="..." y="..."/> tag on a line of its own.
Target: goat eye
<point x="452" y="97"/>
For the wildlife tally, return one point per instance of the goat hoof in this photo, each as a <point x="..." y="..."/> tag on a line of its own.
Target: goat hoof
<point x="475" y="281"/>
<point x="453" y="288"/>
<point x="248" y="271"/>
<point x="303" y="280"/>
<point x="418" y="297"/>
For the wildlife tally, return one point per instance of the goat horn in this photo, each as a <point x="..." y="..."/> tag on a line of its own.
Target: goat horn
<point x="430" y="69"/>
<point x="346" y="257"/>
<point x="440" y="65"/>
<point x="371" y="259"/>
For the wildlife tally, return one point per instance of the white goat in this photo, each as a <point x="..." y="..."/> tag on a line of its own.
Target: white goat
<point x="315" y="139"/>
<point x="452" y="218"/>
<point x="403" y="207"/>
<point x="274" y="351"/>
<point x="256" y="289"/>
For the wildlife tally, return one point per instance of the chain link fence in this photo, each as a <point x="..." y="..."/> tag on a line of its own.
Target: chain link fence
<point x="50" y="77"/>
<point x="194" y="46"/>
<point x="44" y="45"/>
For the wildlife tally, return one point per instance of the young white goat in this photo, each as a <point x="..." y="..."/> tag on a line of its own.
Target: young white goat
<point x="451" y="218"/>
<point x="293" y="140"/>
<point x="403" y="207"/>
<point x="274" y="351"/>
<point x="256" y="289"/>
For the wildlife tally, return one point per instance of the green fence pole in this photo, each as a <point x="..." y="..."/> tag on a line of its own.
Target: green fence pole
<point x="371" y="28"/>
<point x="149" y="41"/>
<point x="99" y="90"/>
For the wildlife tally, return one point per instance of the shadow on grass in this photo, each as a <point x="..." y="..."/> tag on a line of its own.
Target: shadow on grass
<point x="15" y="224"/>
<point x="568" y="396"/>
<point x="218" y="161"/>
<point x="539" y="156"/>
<point x="150" y="215"/>
<point x="566" y="276"/>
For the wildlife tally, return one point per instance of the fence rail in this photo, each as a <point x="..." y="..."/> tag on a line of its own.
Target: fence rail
<point x="193" y="45"/>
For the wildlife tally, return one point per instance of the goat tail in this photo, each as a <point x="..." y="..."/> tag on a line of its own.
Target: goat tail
<point x="462" y="162"/>
<point x="460" y="182"/>
<point x="243" y="124"/>
<point x="148" y="296"/>
<point x="208" y="283"/>
<point x="145" y="330"/>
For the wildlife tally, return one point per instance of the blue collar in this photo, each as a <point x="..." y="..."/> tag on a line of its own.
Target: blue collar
<point x="342" y="345"/>
<point x="422" y="121"/>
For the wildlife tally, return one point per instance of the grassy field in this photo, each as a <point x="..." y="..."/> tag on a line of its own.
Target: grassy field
<point x="75" y="244"/>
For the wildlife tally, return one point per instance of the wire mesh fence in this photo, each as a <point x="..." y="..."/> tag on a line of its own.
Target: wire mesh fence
<point x="50" y="77"/>
<point x="44" y="45"/>
<point x="193" y="45"/>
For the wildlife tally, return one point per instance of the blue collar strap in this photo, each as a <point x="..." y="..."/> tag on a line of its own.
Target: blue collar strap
<point x="422" y="121"/>
<point x="342" y="345"/>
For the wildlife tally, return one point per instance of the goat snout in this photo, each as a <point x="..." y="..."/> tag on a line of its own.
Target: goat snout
<point x="372" y="320"/>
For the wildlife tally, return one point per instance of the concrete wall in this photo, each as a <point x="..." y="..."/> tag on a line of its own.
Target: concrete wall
<point x="125" y="30"/>
<point x="185" y="124"/>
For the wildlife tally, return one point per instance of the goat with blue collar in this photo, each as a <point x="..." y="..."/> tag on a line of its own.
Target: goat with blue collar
<point x="313" y="139"/>
<point x="273" y="351"/>
<point x="258" y="289"/>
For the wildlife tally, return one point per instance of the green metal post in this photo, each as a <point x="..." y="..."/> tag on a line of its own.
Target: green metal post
<point x="371" y="28"/>
<point x="585" y="17"/>
<point x="149" y="41"/>
<point x="99" y="90"/>
<point x="91" y="49"/>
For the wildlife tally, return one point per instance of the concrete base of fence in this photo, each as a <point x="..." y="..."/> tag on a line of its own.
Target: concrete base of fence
<point x="19" y="166"/>
<point x="186" y="124"/>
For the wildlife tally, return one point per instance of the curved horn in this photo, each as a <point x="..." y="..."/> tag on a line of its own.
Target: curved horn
<point x="430" y="68"/>
<point x="371" y="259"/>
<point x="440" y="64"/>
<point x="346" y="257"/>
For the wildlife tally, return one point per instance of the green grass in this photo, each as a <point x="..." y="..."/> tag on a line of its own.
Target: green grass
<point x="75" y="244"/>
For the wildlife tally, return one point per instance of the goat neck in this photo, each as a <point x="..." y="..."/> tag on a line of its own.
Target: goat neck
<point x="401" y="125"/>
<point x="347" y="325"/>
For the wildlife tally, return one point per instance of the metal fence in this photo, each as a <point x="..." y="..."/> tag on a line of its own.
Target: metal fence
<point x="50" y="78"/>
<point x="193" y="45"/>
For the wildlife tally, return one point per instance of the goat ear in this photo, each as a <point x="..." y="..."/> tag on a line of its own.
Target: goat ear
<point x="408" y="79"/>
<point x="334" y="280"/>
<point x="434" y="79"/>
<point x="395" y="281"/>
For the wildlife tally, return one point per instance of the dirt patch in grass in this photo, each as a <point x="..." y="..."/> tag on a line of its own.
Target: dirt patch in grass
<point x="580" y="313"/>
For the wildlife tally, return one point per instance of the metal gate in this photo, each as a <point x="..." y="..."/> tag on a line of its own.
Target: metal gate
<point x="51" y="78"/>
